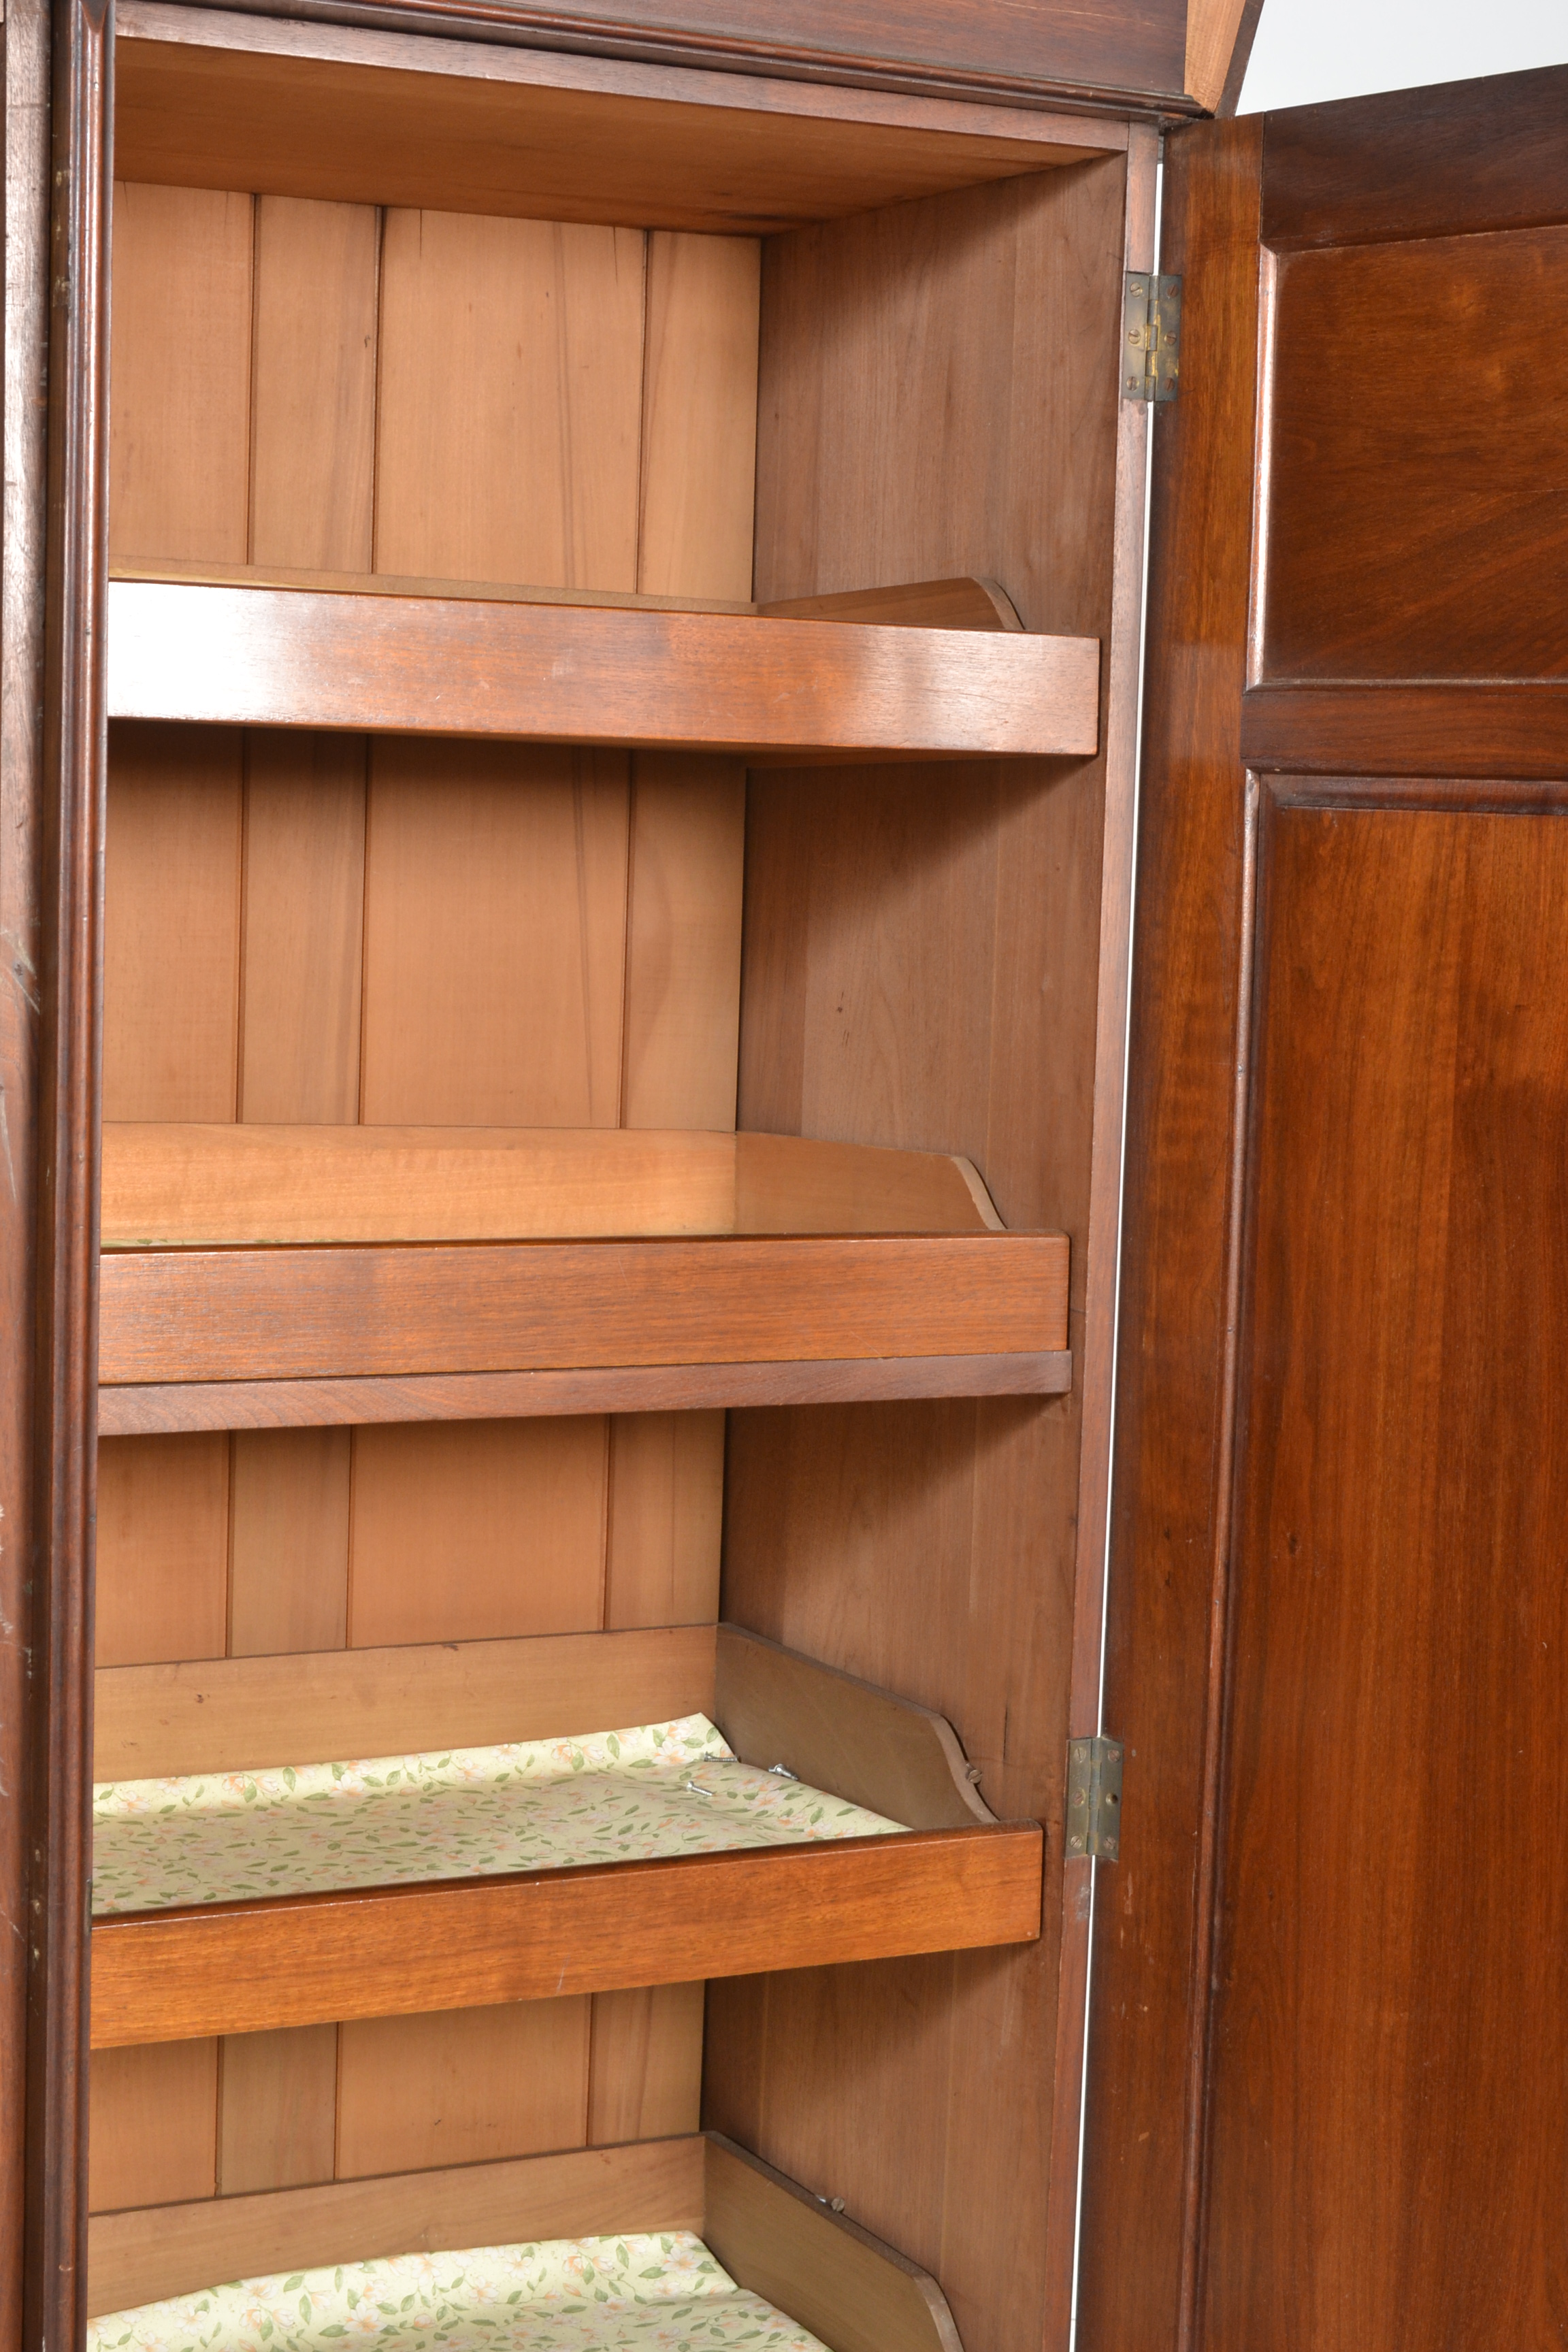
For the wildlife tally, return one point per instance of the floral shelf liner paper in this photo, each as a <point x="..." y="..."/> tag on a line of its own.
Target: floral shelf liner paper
<point x="579" y="2295"/>
<point x="544" y="1804"/>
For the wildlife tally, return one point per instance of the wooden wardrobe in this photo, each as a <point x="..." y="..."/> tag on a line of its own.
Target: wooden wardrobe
<point x="574" y="607"/>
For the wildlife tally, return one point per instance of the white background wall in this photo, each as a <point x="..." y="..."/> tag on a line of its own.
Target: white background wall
<point x="1312" y="50"/>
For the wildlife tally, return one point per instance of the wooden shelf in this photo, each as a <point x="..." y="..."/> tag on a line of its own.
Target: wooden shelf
<point x="958" y="1881"/>
<point x="623" y="672"/>
<point x="764" y="1269"/>
<point x="770" y="2235"/>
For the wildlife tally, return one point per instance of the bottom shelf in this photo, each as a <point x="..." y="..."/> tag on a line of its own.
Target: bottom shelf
<point x="792" y="2275"/>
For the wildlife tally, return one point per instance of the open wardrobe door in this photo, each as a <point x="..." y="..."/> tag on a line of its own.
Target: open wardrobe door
<point x="1328" y="2036"/>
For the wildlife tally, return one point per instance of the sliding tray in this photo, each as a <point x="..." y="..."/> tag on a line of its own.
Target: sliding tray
<point x="535" y="669"/>
<point x="264" y="1275"/>
<point x="941" y="1874"/>
<point x="812" y="2268"/>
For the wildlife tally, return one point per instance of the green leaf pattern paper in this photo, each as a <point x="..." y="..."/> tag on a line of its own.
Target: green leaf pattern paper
<point x="613" y="1796"/>
<point x="652" y="2292"/>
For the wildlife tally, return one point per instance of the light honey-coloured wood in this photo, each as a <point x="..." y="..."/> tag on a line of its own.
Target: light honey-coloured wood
<point x="477" y="1530"/>
<point x="700" y="417"/>
<point x="461" y="2086"/>
<point x="289" y="1550"/>
<point x="240" y="1714"/>
<point x="316" y="109"/>
<point x="172" y="923"/>
<point x="302" y="936"/>
<point x="1213" y="28"/>
<point x="685" y="892"/>
<point x="646" y="2076"/>
<point x="277" y="2109"/>
<point x="846" y="2285"/>
<point x="495" y="935"/>
<point x="185" y="1185"/>
<point x="163" y="1548"/>
<point x="141" y="2257"/>
<point x="510" y="398"/>
<point x="313" y="409"/>
<point x="666" y="1518"/>
<point x="181" y="365"/>
<point x="153" y="2136"/>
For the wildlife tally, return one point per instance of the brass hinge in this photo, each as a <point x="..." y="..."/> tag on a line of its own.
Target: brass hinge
<point x="1151" y="336"/>
<point x="1094" y="1799"/>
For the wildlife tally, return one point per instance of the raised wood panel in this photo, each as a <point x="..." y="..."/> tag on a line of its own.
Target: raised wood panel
<point x="152" y="2137"/>
<point x="247" y="1968"/>
<point x="303" y="929"/>
<point x="1400" y="546"/>
<point x="181" y="372"/>
<point x="163" y="1548"/>
<point x="683" y="941"/>
<point x="700" y="417"/>
<point x="300" y="1314"/>
<point x="238" y="1714"/>
<point x="476" y="1530"/>
<point x="312" y="461"/>
<point x="288" y="1555"/>
<point x="666" y="1518"/>
<point x="646" y="2077"/>
<point x="564" y="672"/>
<point x="172" y="924"/>
<point x="495" y="936"/>
<point x="277" y="2109"/>
<point x="461" y="2086"/>
<point x="1411" y="1062"/>
<point x="313" y="109"/>
<point x="141" y="2256"/>
<point x="510" y="399"/>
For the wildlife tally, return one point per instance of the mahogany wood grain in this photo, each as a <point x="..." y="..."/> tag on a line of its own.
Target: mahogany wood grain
<point x="239" y="1713"/>
<point x="837" y="1732"/>
<point x="815" y="2264"/>
<point x="302" y="1314"/>
<point x="376" y="117"/>
<point x="24" y="68"/>
<point x="277" y="2108"/>
<point x="1444" y="729"/>
<point x="1425" y="162"/>
<point x="1416" y="547"/>
<point x="143" y="2256"/>
<point x="270" y="657"/>
<point x="246" y="1968"/>
<point x="148" y="1408"/>
<point x="59" y="1136"/>
<point x="1179" y="1272"/>
<point x="961" y="603"/>
<point x="265" y="1183"/>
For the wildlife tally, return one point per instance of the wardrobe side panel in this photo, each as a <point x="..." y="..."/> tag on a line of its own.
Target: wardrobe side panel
<point x="921" y="970"/>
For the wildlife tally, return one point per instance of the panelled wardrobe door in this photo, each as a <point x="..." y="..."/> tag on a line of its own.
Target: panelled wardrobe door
<point x="1329" y="2044"/>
